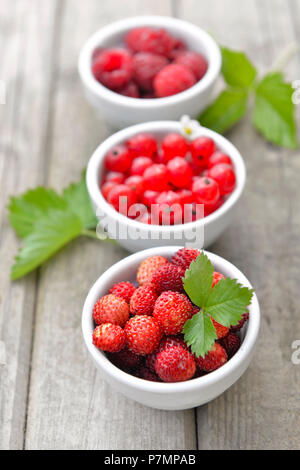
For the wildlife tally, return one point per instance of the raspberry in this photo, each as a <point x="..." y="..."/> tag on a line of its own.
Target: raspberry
<point x="184" y="257"/>
<point x="118" y="159"/>
<point x="143" y="334"/>
<point x="106" y="188"/>
<point x="202" y="148"/>
<point x="205" y="191"/>
<point x="175" y="364"/>
<point x="217" y="277"/>
<point x="195" y="62"/>
<point x="214" y="359"/>
<point x="139" y="165"/>
<point x="143" y="300"/>
<point x="113" y="68"/>
<point x="130" y="89"/>
<point x="172" y="310"/>
<point x="142" y="145"/>
<point x="241" y="323"/>
<point x="123" y="289"/>
<point x="178" y="48"/>
<point x="218" y="157"/>
<point x="136" y="184"/>
<point x="145" y="66"/>
<point x="148" y="267"/>
<point x="174" y="145"/>
<point x="231" y="343"/>
<point x="125" y="359"/>
<point x="221" y="330"/>
<point x="114" y="177"/>
<point x="224" y="175"/>
<point x="122" y="198"/>
<point x="111" y="309"/>
<point x="173" y="79"/>
<point x="146" y="39"/>
<point x="180" y="172"/>
<point x="168" y="278"/>
<point x="146" y="374"/>
<point x="109" y="337"/>
<point x="157" y="177"/>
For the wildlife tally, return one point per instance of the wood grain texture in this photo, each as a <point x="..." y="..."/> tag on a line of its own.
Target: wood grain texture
<point x="262" y="410"/>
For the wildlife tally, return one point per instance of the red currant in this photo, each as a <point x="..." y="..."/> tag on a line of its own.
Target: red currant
<point x="114" y="177"/>
<point x="118" y="159"/>
<point x="210" y="208"/>
<point x="174" y="145"/>
<point x="139" y="165"/>
<point x="122" y="198"/>
<point x="136" y="183"/>
<point x="157" y="177"/>
<point x="205" y="191"/>
<point x="202" y="148"/>
<point x="219" y="157"/>
<point x="142" y="145"/>
<point x="106" y="187"/>
<point x="149" y="197"/>
<point x="224" y="175"/>
<point x="180" y="172"/>
<point x="168" y="209"/>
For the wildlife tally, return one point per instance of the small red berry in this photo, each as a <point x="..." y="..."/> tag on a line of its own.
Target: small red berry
<point x="202" y="148"/>
<point x="143" y="300"/>
<point x="130" y="89"/>
<point x="145" y="66"/>
<point x="221" y="330"/>
<point x="185" y="256"/>
<point x="111" y="309"/>
<point x="169" y="341"/>
<point x="217" y="277"/>
<point x="173" y="79"/>
<point x="139" y="165"/>
<point x="147" y="39"/>
<point x="218" y="157"/>
<point x="180" y="172"/>
<point x="118" y="159"/>
<point x="106" y="188"/>
<point x="178" y="48"/>
<point x="136" y="184"/>
<point x="194" y="62"/>
<point x="113" y="68"/>
<point x="172" y="310"/>
<point x="148" y="267"/>
<point x="168" y="210"/>
<point x="175" y="364"/>
<point x="214" y="359"/>
<point x="168" y="278"/>
<point x="174" y="145"/>
<point x="143" y="334"/>
<point x="109" y="337"/>
<point x="123" y="289"/>
<point x="157" y="177"/>
<point x="142" y="145"/>
<point x="224" y="175"/>
<point x="125" y="359"/>
<point x="114" y="177"/>
<point x="241" y="323"/>
<point x="210" y="208"/>
<point x="205" y="190"/>
<point x="231" y="343"/>
<point x="122" y="198"/>
<point x="146" y="374"/>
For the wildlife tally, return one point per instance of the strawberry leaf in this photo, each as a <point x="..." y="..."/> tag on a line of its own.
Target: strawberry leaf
<point x="199" y="333"/>
<point x="198" y="280"/>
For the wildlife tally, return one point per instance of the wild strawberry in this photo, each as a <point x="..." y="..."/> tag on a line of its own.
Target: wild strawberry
<point x="214" y="359"/>
<point x="142" y="145"/>
<point x="185" y="256"/>
<point x="146" y="374"/>
<point x="202" y="148"/>
<point x="174" y="145"/>
<point x="125" y="359"/>
<point x="123" y="289"/>
<point x="143" y="300"/>
<point x="224" y="175"/>
<point x="148" y="267"/>
<point x="150" y="361"/>
<point x="194" y="62"/>
<point x="113" y="68"/>
<point x="169" y="341"/>
<point x="231" y="343"/>
<point x="172" y="310"/>
<point x="111" y="309"/>
<point x="118" y="159"/>
<point x="168" y="278"/>
<point x="173" y="79"/>
<point x="139" y="165"/>
<point x="219" y="157"/>
<point x="175" y="364"/>
<point x="109" y="337"/>
<point x="180" y="172"/>
<point x="205" y="191"/>
<point x="241" y="323"/>
<point x="217" y="278"/>
<point x="221" y="330"/>
<point x="156" y="177"/>
<point x="143" y="334"/>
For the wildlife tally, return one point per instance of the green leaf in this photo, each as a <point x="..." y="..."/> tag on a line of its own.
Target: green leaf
<point x="199" y="333"/>
<point x="227" y="110"/>
<point x="228" y="301"/>
<point x="78" y="200"/>
<point x="237" y="69"/>
<point x="274" y="111"/>
<point x="198" y="280"/>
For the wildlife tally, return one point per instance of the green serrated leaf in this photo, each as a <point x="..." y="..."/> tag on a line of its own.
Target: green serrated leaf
<point x="225" y="111"/>
<point x="274" y="111"/>
<point x="228" y="301"/>
<point x="198" y="280"/>
<point x="237" y="69"/>
<point x="78" y="200"/>
<point x="199" y="333"/>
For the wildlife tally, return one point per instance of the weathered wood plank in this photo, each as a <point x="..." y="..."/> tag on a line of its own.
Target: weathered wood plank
<point x="262" y="410"/>
<point x="26" y="33"/>
<point x="70" y="406"/>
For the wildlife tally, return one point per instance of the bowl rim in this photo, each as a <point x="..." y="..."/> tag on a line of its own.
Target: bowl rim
<point x="157" y="387"/>
<point x="85" y="56"/>
<point x="96" y="160"/>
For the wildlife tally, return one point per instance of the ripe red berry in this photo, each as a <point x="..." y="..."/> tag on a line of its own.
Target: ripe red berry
<point x="205" y="190"/>
<point x="146" y="374"/>
<point x="142" y="145"/>
<point x="130" y="89"/>
<point x="169" y="341"/>
<point x="114" y="177"/>
<point x="143" y="300"/>
<point x="194" y="62"/>
<point x="147" y="39"/>
<point x="113" y="68"/>
<point x="106" y="188"/>
<point x="157" y="177"/>
<point x="125" y="359"/>
<point x="185" y="256"/>
<point x="149" y="197"/>
<point x="202" y="148"/>
<point x="118" y="159"/>
<point x="139" y="165"/>
<point x="224" y="175"/>
<point x="178" y="48"/>
<point x="180" y="172"/>
<point x="214" y="359"/>
<point x="221" y="330"/>
<point x="122" y="198"/>
<point x="168" y="277"/>
<point x="136" y="184"/>
<point x="210" y="208"/>
<point x="143" y="334"/>
<point x="173" y="79"/>
<point x="123" y="289"/>
<point x="145" y="66"/>
<point x="175" y="364"/>
<point x="168" y="210"/>
<point x="148" y="267"/>
<point x="241" y="323"/>
<point x="231" y="343"/>
<point x="111" y="309"/>
<point x="109" y="337"/>
<point x="217" y="277"/>
<point x="172" y="310"/>
<point x="174" y="145"/>
<point x="218" y="157"/>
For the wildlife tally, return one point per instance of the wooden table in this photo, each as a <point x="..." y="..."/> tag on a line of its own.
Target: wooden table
<point x="51" y="395"/>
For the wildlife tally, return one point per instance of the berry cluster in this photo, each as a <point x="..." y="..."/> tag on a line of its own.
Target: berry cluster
<point x="140" y="328"/>
<point x="154" y="64"/>
<point x="166" y="184"/>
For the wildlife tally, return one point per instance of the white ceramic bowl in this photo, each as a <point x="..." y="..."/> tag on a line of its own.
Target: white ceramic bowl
<point x="134" y="235"/>
<point x="169" y="396"/>
<point x="120" y="111"/>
